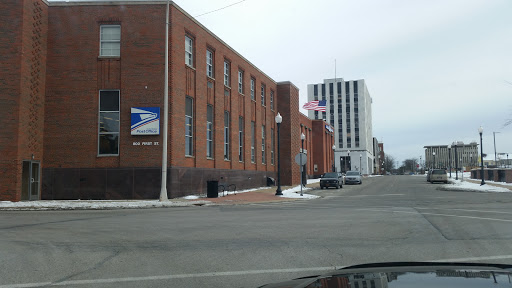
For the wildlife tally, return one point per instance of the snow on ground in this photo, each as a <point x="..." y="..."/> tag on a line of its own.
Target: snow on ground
<point x="370" y="176"/>
<point x="459" y="185"/>
<point x="92" y="204"/>
<point x="311" y="181"/>
<point x="295" y="193"/>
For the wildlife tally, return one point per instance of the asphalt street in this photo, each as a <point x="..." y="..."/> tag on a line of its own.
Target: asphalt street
<point x="392" y="218"/>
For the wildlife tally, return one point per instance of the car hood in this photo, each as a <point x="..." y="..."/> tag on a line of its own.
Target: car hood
<point x="409" y="274"/>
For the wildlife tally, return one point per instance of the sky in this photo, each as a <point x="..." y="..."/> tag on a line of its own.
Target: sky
<point x="436" y="70"/>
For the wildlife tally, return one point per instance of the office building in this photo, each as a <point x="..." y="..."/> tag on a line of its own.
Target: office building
<point x="349" y="112"/>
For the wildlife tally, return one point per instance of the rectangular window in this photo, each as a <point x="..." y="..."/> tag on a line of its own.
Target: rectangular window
<point x="323" y="91"/>
<point x="226" y="73"/>
<point x="253" y="152"/>
<point x="271" y="100"/>
<point x="189" y="50"/>
<point x="226" y="135"/>
<point x="241" y="139"/>
<point x="110" y="40"/>
<point x="262" y="95"/>
<point x="253" y="88"/>
<point x="263" y="144"/>
<point x="209" y="131"/>
<point x="209" y="63"/>
<point x="315" y="92"/>
<point x="189" y="143"/>
<point x="273" y="146"/>
<point x="108" y="138"/>
<point x="240" y="81"/>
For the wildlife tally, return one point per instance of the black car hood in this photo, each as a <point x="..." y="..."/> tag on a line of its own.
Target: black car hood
<point x="323" y="179"/>
<point x="409" y="274"/>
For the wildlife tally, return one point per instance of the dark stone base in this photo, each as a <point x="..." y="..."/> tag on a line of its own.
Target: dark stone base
<point x="140" y="183"/>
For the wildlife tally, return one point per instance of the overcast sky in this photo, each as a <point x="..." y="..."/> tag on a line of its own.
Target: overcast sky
<point x="436" y="69"/>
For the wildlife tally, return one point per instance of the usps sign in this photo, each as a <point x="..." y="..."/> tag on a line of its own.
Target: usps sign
<point x="145" y="121"/>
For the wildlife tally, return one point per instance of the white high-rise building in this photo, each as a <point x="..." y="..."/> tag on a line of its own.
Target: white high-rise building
<point x="349" y="111"/>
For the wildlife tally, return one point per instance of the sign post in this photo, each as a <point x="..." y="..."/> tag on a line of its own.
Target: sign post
<point x="301" y="159"/>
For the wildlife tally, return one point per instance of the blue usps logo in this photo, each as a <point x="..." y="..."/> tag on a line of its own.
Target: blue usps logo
<point x="145" y="121"/>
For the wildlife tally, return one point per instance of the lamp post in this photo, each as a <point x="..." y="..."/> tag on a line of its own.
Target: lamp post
<point x="471" y="161"/>
<point x="302" y="137"/>
<point x="495" y="158"/>
<point x="279" y="119"/>
<point x="333" y="166"/>
<point x="341" y="161"/>
<point x="456" y="162"/>
<point x="434" y="163"/>
<point x="349" y="162"/>
<point x="360" y="164"/>
<point x="450" y="159"/>
<point x="480" y="131"/>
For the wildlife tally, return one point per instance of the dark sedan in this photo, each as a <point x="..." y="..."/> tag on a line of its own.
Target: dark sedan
<point x="331" y="179"/>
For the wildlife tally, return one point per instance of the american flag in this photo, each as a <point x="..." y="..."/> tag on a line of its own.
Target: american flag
<point x="315" y="105"/>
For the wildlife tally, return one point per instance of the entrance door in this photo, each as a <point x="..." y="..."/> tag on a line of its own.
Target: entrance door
<point x="30" y="180"/>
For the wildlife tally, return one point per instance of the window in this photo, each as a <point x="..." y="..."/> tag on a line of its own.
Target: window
<point x="262" y="95"/>
<point x="263" y="144"/>
<point x="209" y="131"/>
<point x="240" y="81"/>
<point x="241" y="139"/>
<point x="253" y="85"/>
<point x="226" y="135"/>
<point x="209" y="63"/>
<point x="110" y="40"/>
<point x="271" y="100"/>
<point x="108" y="138"/>
<point x="315" y="92"/>
<point x="253" y="152"/>
<point x="273" y="146"/>
<point x="189" y="143"/>
<point x="226" y="73"/>
<point x="189" y="48"/>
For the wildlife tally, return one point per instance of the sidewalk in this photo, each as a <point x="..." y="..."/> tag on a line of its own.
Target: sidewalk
<point x="261" y="195"/>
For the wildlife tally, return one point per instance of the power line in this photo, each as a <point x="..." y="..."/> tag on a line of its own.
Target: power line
<point x="220" y="8"/>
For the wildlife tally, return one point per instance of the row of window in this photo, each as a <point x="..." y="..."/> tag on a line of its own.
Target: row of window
<point x="189" y="60"/>
<point x="189" y="116"/>
<point x="108" y="134"/>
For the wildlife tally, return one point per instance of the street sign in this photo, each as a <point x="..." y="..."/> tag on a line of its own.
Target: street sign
<point x="298" y="158"/>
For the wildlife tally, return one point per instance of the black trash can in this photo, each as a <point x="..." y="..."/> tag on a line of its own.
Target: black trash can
<point x="212" y="189"/>
<point x="271" y="181"/>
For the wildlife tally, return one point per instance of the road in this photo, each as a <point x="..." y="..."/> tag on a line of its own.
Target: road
<point x="392" y="218"/>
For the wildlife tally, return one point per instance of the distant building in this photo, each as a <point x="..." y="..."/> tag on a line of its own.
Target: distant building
<point x="438" y="156"/>
<point x="349" y="111"/>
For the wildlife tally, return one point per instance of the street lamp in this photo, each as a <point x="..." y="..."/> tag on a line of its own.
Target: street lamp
<point x="480" y="131"/>
<point x="341" y="165"/>
<point x="302" y="137"/>
<point x="349" y="162"/>
<point x="279" y="119"/>
<point x="456" y="161"/>
<point x="450" y="159"/>
<point x="333" y="166"/>
<point x="434" y="165"/>
<point x="360" y="163"/>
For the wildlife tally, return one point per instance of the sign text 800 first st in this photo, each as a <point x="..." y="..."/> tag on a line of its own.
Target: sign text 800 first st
<point x="136" y="143"/>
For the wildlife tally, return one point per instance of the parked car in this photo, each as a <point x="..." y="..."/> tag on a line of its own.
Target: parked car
<point x="353" y="177"/>
<point x="429" y="172"/>
<point x="331" y="179"/>
<point x="438" y="175"/>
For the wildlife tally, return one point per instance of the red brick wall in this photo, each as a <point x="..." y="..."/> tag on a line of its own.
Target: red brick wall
<point x="22" y="85"/>
<point x="192" y="82"/>
<point x="76" y="73"/>
<point x="322" y="147"/>
<point x="72" y="93"/>
<point x="288" y="106"/>
<point x="306" y="128"/>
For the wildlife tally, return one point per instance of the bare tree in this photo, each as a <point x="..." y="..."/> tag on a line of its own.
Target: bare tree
<point x="389" y="163"/>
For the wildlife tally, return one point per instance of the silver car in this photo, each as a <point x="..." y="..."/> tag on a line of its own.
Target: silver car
<point x="353" y="177"/>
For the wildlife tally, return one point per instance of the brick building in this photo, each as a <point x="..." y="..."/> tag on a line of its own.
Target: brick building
<point x="76" y="73"/>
